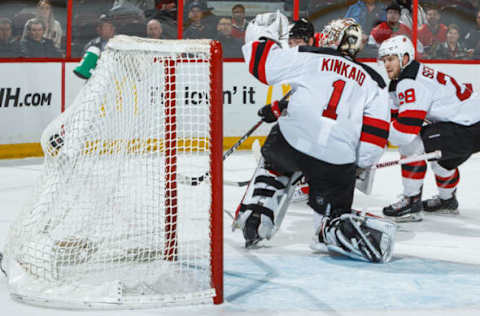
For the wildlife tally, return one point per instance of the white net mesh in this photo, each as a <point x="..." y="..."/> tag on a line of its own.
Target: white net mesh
<point x="109" y="225"/>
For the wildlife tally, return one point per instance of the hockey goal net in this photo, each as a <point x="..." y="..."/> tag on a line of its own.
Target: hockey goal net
<point x="110" y="224"/>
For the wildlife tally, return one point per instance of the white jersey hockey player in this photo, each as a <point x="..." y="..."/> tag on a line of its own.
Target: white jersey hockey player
<point x="421" y="94"/>
<point x="336" y="120"/>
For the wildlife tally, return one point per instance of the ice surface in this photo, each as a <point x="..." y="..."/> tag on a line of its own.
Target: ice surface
<point x="435" y="271"/>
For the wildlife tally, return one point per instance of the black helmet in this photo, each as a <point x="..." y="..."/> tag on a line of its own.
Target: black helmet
<point x="302" y="29"/>
<point x="395" y="7"/>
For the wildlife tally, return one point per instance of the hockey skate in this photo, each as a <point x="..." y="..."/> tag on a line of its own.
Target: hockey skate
<point x="318" y="241"/>
<point x="408" y="209"/>
<point x="250" y="231"/>
<point x="436" y="205"/>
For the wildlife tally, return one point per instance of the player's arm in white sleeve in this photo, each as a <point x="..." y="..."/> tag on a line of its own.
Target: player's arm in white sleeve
<point x="271" y="64"/>
<point x="267" y="54"/>
<point x="375" y="128"/>
<point x="414" y="101"/>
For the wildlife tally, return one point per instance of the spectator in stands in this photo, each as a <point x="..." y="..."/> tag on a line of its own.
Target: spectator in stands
<point x="128" y="19"/>
<point x="391" y="27"/>
<point x="472" y="39"/>
<point x="452" y="48"/>
<point x="166" y="5"/>
<point x="239" y="22"/>
<point x="198" y="26"/>
<point x="367" y="13"/>
<point x="154" y="29"/>
<point x="34" y="44"/>
<point x="433" y="32"/>
<point x="105" y="31"/>
<point x="53" y="29"/>
<point x="166" y="13"/>
<point x="9" y="47"/>
<point x="459" y="12"/>
<point x="231" y="45"/>
<point x="406" y="7"/>
<point x="85" y="22"/>
<point x="126" y="11"/>
<point x="166" y="8"/>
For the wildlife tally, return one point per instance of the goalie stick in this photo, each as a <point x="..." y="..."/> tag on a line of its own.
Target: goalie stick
<point x="257" y="154"/>
<point x="364" y="182"/>
<point x="197" y="180"/>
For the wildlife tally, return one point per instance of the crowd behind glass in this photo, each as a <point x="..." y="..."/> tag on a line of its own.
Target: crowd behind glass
<point x="447" y="29"/>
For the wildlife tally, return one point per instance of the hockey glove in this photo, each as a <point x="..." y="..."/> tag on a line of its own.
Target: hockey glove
<point x="272" y="25"/>
<point x="271" y="112"/>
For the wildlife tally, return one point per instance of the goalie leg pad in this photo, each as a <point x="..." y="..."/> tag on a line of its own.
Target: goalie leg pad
<point x="363" y="238"/>
<point x="264" y="198"/>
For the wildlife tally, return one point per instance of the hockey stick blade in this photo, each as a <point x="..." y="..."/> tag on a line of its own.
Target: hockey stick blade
<point x="236" y="183"/>
<point x="193" y="181"/>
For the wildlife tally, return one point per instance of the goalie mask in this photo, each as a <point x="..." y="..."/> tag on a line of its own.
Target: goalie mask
<point x="343" y="35"/>
<point x="397" y="46"/>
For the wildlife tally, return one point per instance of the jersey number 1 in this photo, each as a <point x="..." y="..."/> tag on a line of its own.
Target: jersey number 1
<point x="331" y="110"/>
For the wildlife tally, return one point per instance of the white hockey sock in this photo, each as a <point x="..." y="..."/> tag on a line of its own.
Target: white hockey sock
<point x="413" y="173"/>
<point x="447" y="180"/>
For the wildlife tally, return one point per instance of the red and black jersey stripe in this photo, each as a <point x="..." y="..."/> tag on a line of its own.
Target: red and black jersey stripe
<point x="393" y="114"/>
<point x="448" y="182"/>
<point x="374" y="131"/>
<point x="410" y="121"/>
<point x="415" y="170"/>
<point x="258" y="59"/>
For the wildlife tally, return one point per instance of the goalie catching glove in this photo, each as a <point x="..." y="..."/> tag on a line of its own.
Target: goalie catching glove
<point x="271" y="112"/>
<point x="363" y="238"/>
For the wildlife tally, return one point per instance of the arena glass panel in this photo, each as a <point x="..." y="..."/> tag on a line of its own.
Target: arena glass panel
<point x="449" y="30"/>
<point x="99" y="20"/>
<point x="79" y="21"/>
<point x="33" y="29"/>
<point x="226" y="21"/>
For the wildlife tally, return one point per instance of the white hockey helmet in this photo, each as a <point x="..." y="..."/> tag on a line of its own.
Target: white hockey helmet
<point x="344" y="35"/>
<point x="398" y="46"/>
